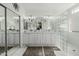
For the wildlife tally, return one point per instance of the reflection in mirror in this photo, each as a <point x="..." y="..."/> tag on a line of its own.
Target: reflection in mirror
<point x="36" y="23"/>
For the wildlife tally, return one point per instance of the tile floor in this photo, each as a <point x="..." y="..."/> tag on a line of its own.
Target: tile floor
<point x="40" y="51"/>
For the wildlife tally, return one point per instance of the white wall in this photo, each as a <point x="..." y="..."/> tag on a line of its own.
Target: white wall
<point x="71" y="38"/>
<point x="40" y="38"/>
<point x="74" y="27"/>
<point x="74" y="34"/>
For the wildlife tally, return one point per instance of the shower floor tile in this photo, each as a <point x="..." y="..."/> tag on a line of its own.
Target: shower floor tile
<point x="33" y="51"/>
<point x="37" y="51"/>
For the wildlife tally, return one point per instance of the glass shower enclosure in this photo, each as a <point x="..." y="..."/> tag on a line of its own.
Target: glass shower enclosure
<point x="9" y="30"/>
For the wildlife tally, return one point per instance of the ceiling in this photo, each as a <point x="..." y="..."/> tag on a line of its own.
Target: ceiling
<point x="43" y="9"/>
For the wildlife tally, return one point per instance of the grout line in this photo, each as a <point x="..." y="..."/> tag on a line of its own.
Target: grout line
<point x="43" y="51"/>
